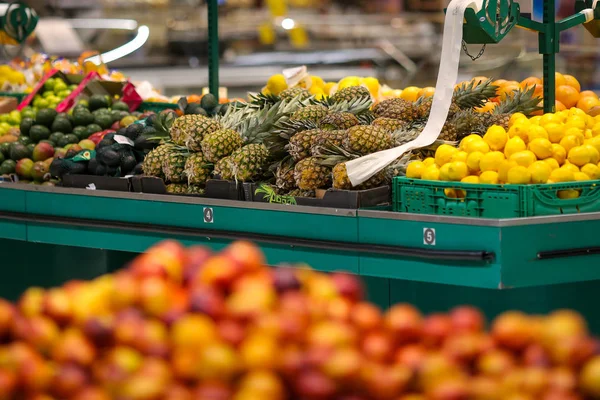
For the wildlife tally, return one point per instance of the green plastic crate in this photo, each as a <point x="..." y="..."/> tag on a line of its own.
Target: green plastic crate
<point x="18" y="96"/>
<point x="492" y="201"/>
<point x="156" y="106"/>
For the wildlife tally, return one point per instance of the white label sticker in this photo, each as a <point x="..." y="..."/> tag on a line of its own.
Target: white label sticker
<point x="429" y="236"/>
<point x="208" y="215"/>
<point x="123" y="140"/>
<point x="91" y="186"/>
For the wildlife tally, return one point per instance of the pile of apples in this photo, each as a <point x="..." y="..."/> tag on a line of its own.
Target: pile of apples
<point x="181" y="324"/>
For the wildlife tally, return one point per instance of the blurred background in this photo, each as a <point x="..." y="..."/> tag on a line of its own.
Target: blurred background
<point x="397" y="41"/>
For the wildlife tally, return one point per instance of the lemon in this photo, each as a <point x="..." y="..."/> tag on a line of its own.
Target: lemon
<point x="556" y="131"/>
<point x="372" y="84"/>
<point x="460" y="156"/>
<point x="524" y="158"/>
<point x="514" y="144"/>
<point x="489" y="177"/>
<point x="415" y="169"/>
<point x="491" y="161"/>
<point x="318" y="81"/>
<point x="469" y="139"/>
<point x="496" y="137"/>
<point x="474" y="161"/>
<point x="542" y="148"/>
<point x="594" y="154"/>
<point x="568" y="142"/>
<point x="581" y="176"/>
<point x="559" y="153"/>
<point x="316" y="91"/>
<point x="277" y="84"/>
<point x="519" y="129"/>
<point x="571" y="167"/>
<point x="535" y="132"/>
<point x="445" y="172"/>
<point x="596" y="129"/>
<point x="552" y="163"/>
<point x="540" y="172"/>
<point x="348" y="82"/>
<point x="457" y="170"/>
<point x="591" y="170"/>
<point x="429" y="161"/>
<point x="477" y="145"/>
<point x="580" y="155"/>
<point x="431" y="173"/>
<point x="444" y="154"/>
<point x="572" y="131"/>
<point x="589" y="121"/>
<point x="450" y="193"/>
<point x="568" y="194"/>
<point x="576" y="122"/>
<point x="576" y="112"/>
<point x="514" y="118"/>
<point x="562" y="175"/>
<point x="470" y="179"/>
<point x="535" y="120"/>
<point x="518" y="175"/>
<point x="328" y="87"/>
<point x="549" y="118"/>
<point x="505" y="166"/>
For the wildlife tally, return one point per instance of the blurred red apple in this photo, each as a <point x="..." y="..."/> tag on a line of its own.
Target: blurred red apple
<point x="285" y="279"/>
<point x="314" y="385"/>
<point x="207" y="300"/>
<point x="231" y="331"/>
<point x="377" y="346"/>
<point x="247" y="255"/>
<point x="348" y="286"/>
<point x="219" y="271"/>
<point x="405" y="322"/>
<point x="165" y="260"/>
<point x="57" y="305"/>
<point x="125" y="291"/>
<point x="513" y="330"/>
<point x="411" y="356"/>
<point x="467" y="318"/>
<point x="92" y="393"/>
<point x="213" y="390"/>
<point x="100" y="330"/>
<point x="73" y="347"/>
<point x="178" y="391"/>
<point x="466" y="346"/>
<point x="7" y="314"/>
<point x="69" y="380"/>
<point x="31" y="302"/>
<point x="343" y="364"/>
<point x="436" y="328"/>
<point x="365" y="316"/>
<point x="450" y="389"/>
<point x="385" y="382"/>
<point x="495" y="363"/>
<point x="39" y="331"/>
<point x="339" y="309"/>
<point x="536" y="356"/>
<point x="8" y="384"/>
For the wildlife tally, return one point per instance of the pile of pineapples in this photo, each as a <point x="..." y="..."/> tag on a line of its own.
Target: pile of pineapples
<point x="300" y="144"/>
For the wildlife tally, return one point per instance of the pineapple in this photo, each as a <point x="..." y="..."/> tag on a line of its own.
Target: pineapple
<point x="220" y="144"/>
<point x="249" y="162"/>
<point x="338" y="120"/>
<point x="301" y="193"/>
<point x="177" y="188"/>
<point x="300" y="144"/>
<point x="296" y="91"/>
<point x="195" y="189"/>
<point x="174" y="166"/>
<point x="189" y="130"/>
<point x="327" y="139"/>
<point x="310" y="175"/>
<point x="341" y="180"/>
<point x="153" y="162"/>
<point x="223" y="169"/>
<point x="367" y="139"/>
<point x="313" y="112"/>
<point x="473" y="94"/>
<point x="366" y="118"/>
<point x="197" y="169"/>
<point x="284" y="175"/>
<point x="396" y="108"/>
<point x="350" y="93"/>
<point x="389" y="124"/>
<point x="423" y="107"/>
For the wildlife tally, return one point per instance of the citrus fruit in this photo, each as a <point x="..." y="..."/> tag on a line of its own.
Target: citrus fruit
<point x="429" y="161"/>
<point x="410" y="93"/>
<point x="594" y="154"/>
<point x="535" y="132"/>
<point x="555" y="130"/>
<point x="515" y="117"/>
<point x="444" y="154"/>
<point x="445" y="172"/>
<point x="459" y="156"/>
<point x="477" y="145"/>
<point x="535" y="120"/>
<point x="568" y="142"/>
<point x="491" y="161"/>
<point x="594" y="141"/>
<point x="587" y="102"/>
<point x="514" y="144"/>
<point x="576" y="112"/>
<point x="540" y="172"/>
<point x="559" y="153"/>
<point x="508" y="90"/>
<point x="571" y="167"/>
<point x="524" y="158"/>
<point x="542" y="148"/>
<point x="457" y="170"/>
<point x="488" y="106"/>
<point x="571" y="81"/>
<point x="568" y="194"/>
<point x="277" y="84"/>
<point x="496" y="137"/>
<point x="474" y="161"/>
<point x="573" y="131"/>
<point x="431" y="173"/>
<point x="588" y="93"/>
<point x="559" y="106"/>
<point x="580" y="155"/>
<point x="468" y="139"/>
<point x="529" y="82"/>
<point x="581" y="176"/>
<point x="567" y="95"/>
<point x="549" y="118"/>
<point x="559" y="79"/>
<point x="372" y="84"/>
<point x="518" y="175"/>
<point x="519" y="129"/>
<point x="426" y="92"/>
<point x="596" y="129"/>
<point x="450" y="193"/>
<point x="562" y="175"/>
<point x="415" y="170"/>
<point x="489" y="177"/>
<point x="470" y="179"/>
<point x="591" y="170"/>
<point x="552" y="163"/>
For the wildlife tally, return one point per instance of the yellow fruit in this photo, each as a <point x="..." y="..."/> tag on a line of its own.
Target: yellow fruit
<point x="469" y="139"/>
<point x="535" y="132"/>
<point x="573" y="131"/>
<point x="556" y="131"/>
<point x="518" y="175"/>
<point x="581" y="176"/>
<point x="328" y="87"/>
<point x="591" y="170"/>
<point x="431" y="173"/>
<point x="460" y="156"/>
<point x="542" y="148"/>
<point x="589" y="121"/>
<point x="317" y="81"/>
<point x="594" y="154"/>
<point x="596" y="129"/>
<point x="568" y="142"/>
<point x="588" y="134"/>
<point x="429" y="161"/>
<point x="568" y="194"/>
<point x="415" y="170"/>
<point x="491" y="161"/>
<point x="450" y="193"/>
<point x="562" y="175"/>
<point x="549" y="118"/>
<point x="445" y="172"/>
<point x="524" y="158"/>
<point x="477" y="145"/>
<point x="576" y="122"/>
<point x="474" y="161"/>
<point x="552" y="163"/>
<point x="372" y="84"/>
<point x="535" y="120"/>
<point x="580" y="155"/>
<point x="540" y="172"/>
<point x="317" y="92"/>
<point x="457" y="170"/>
<point x="444" y="154"/>
<point x="470" y="179"/>
<point x="348" y="81"/>
<point x="514" y="145"/>
<point x="489" y="177"/>
<point x="410" y="93"/>
<point x="496" y="137"/>
<point x="277" y="84"/>
<point x="504" y="168"/>
<point x="519" y="129"/>
<point x="514" y="118"/>
<point x="571" y="167"/>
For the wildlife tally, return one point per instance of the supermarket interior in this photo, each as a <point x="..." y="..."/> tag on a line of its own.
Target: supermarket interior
<point x="300" y="200"/>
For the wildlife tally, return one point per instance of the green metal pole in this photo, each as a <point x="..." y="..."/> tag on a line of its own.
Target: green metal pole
<point x="548" y="48"/>
<point x="213" y="47"/>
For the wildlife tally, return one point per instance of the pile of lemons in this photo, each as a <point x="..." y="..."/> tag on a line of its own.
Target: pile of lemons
<point x="319" y="88"/>
<point x="554" y="147"/>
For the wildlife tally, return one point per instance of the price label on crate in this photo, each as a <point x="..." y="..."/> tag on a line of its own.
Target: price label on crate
<point x="429" y="236"/>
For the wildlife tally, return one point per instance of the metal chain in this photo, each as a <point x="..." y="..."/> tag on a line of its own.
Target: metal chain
<point x="464" y="47"/>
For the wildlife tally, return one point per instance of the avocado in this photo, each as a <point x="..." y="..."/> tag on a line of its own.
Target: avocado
<point x="78" y="168"/>
<point x="128" y="163"/>
<point x="109" y="156"/>
<point x="115" y="115"/>
<point x="93" y="128"/>
<point x="208" y="102"/>
<point x="98" y="101"/>
<point x="104" y="143"/>
<point x="70" y="138"/>
<point x="56" y="136"/>
<point x="24" y="139"/>
<point x="83" y="118"/>
<point x="8" y="167"/>
<point x="195" y="108"/>
<point x="100" y="169"/>
<point x="101" y="111"/>
<point x="139" y="169"/>
<point x="110" y="136"/>
<point x="39" y="132"/>
<point x="133" y="131"/>
<point x="45" y="117"/>
<point x="141" y="143"/>
<point x="5" y="149"/>
<point x="105" y="121"/>
<point x="26" y="124"/>
<point x="112" y="171"/>
<point x="223" y="109"/>
<point x="81" y="132"/>
<point x="19" y="151"/>
<point x="121" y="106"/>
<point x="92" y="165"/>
<point x="59" y="167"/>
<point x="61" y="125"/>
<point x="30" y="147"/>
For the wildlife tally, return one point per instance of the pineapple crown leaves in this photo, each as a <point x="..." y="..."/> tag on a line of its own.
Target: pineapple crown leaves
<point x="522" y="101"/>
<point x="262" y="100"/>
<point x="355" y="106"/>
<point x="330" y="155"/>
<point x="474" y="93"/>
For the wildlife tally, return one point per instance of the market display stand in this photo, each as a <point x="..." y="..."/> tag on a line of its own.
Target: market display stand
<point x="51" y="235"/>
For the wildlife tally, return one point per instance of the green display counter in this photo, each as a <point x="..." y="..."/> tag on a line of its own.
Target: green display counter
<point x="50" y="235"/>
